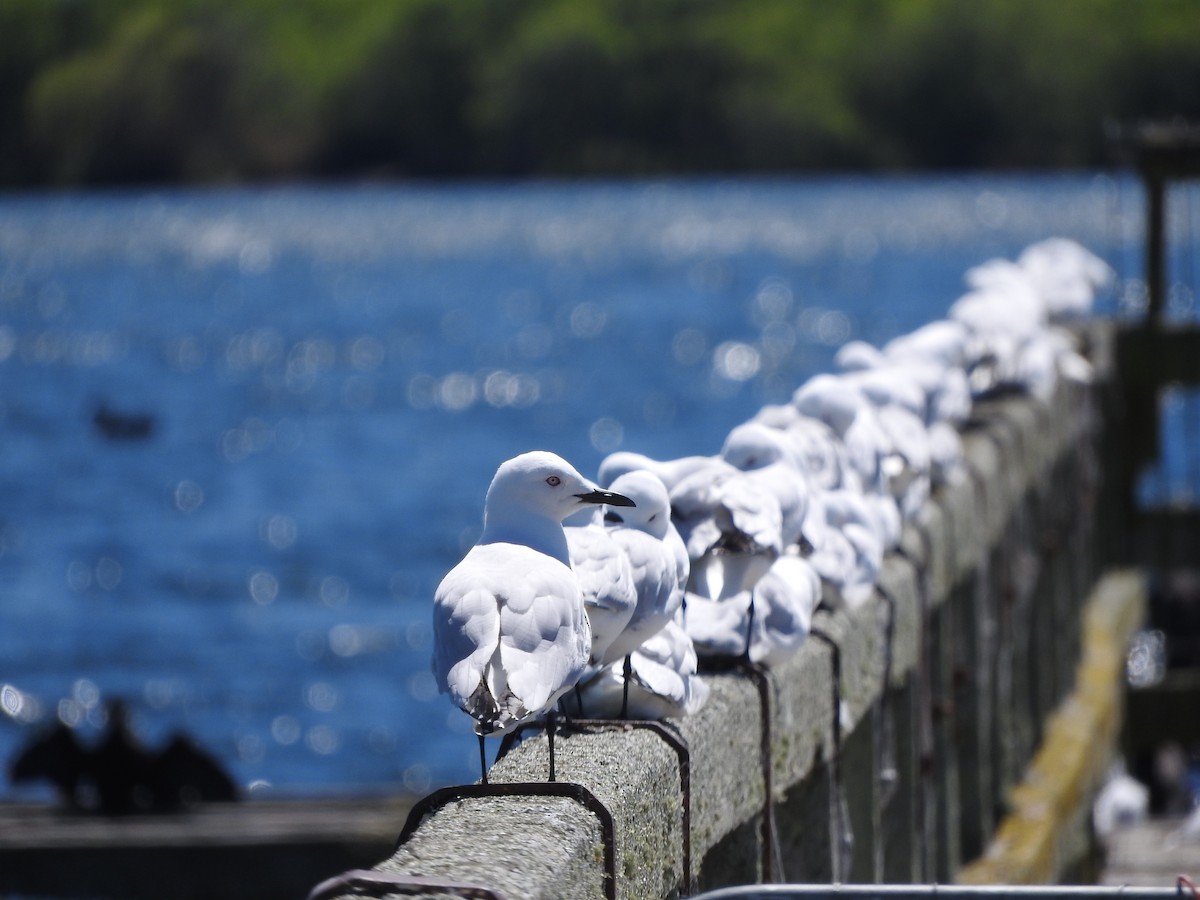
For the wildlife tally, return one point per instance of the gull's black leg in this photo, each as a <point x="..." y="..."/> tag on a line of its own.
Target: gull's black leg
<point x="579" y="700"/>
<point x="551" y="727"/>
<point x="749" y="627"/>
<point x="482" y="759"/>
<point x="628" y="673"/>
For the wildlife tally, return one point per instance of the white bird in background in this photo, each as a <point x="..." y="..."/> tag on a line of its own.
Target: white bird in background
<point x="910" y="466"/>
<point x="1002" y="312"/>
<point x="1066" y="275"/>
<point x="943" y="342"/>
<point x="617" y="465"/>
<point x="510" y="632"/>
<point x="850" y="559"/>
<point x="785" y="421"/>
<point x="942" y="397"/>
<point x="763" y="454"/>
<point x="892" y="374"/>
<point x="1002" y="284"/>
<point x="816" y="449"/>
<point x="663" y="681"/>
<point x="643" y="533"/>
<point x="1010" y="315"/>
<point x="766" y="623"/>
<point x="842" y="406"/>
<point x="606" y="581"/>
<point x="732" y="527"/>
<point x="901" y="406"/>
<point x="892" y="384"/>
<point x="669" y="471"/>
<point x="1121" y="802"/>
<point x="859" y="356"/>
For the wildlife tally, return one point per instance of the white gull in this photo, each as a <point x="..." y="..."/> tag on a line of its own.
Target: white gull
<point x="1066" y="275"/>
<point x="766" y="623"/>
<point x="765" y="456"/>
<point x="510" y="632"/>
<point x="841" y="405"/>
<point x="643" y="533"/>
<point x="817" y="451"/>
<point x="606" y="580"/>
<point x="943" y="342"/>
<point x="662" y="683"/>
<point x="1122" y="801"/>
<point x="732" y="527"/>
<point x="849" y="561"/>
<point x="669" y="471"/>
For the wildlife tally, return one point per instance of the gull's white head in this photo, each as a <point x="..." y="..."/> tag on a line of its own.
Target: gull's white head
<point x="649" y="501"/>
<point x="830" y="399"/>
<point x="543" y="484"/>
<point x="619" y="462"/>
<point x="943" y="341"/>
<point x="855" y="356"/>
<point x="753" y="445"/>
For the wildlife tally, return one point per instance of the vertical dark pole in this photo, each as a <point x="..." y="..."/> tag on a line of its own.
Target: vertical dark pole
<point x="1155" y="246"/>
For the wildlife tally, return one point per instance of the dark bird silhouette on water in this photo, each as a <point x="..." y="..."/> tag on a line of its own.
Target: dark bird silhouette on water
<point x="117" y="425"/>
<point x="120" y="775"/>
<point x="56" y="756"/>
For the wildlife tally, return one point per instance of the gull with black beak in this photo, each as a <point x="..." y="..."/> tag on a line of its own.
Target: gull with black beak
<point x="511" y="635"/>
<point x="653" y="548"/>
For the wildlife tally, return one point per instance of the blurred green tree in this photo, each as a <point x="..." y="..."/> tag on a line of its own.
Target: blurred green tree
<point x="402" y="111"/>
<point x="170" y="95"/>
<point x="95" y="91"/>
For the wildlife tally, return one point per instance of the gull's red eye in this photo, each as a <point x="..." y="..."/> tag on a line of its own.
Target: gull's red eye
<point x="554" y="481"/>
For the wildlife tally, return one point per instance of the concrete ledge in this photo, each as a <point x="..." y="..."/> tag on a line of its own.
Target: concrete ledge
<point x="527" y="847"/>
<point x="1046" y="830"/>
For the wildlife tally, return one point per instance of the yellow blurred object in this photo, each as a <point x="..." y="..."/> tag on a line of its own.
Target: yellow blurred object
<point x="1077" y="746"/>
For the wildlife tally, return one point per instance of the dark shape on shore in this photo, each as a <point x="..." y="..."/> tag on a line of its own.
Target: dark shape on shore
<point x="122" y="426"/>
<point x="56" y="756"/>
<point x="120" y="775"/>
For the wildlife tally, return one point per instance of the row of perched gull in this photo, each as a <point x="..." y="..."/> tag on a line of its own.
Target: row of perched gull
<point x="598" y="599"/>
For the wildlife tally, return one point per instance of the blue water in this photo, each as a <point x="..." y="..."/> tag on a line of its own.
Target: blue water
<point x="334" y="374"/>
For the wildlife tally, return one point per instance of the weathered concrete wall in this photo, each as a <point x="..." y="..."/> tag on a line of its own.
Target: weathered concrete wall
<point x="984" y="644"/>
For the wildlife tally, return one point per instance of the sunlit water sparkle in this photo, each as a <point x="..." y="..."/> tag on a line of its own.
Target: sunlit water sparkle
<point x="334" y="374"/>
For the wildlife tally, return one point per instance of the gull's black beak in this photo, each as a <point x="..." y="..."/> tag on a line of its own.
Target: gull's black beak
<point x="608" y="497"/>
<point x="611" y="516"/>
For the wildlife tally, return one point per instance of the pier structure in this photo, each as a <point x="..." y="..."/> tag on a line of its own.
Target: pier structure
<point x="953" y="728"/>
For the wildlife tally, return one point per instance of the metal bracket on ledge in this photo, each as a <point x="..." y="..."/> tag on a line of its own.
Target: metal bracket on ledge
<point x="759" y="675"/>
<point x="576" y="792"/>
<point x="676" y="743"/>
<point x="375" y="883"/>
<point x="841" y="830"/>
<point x="887" y="773"/>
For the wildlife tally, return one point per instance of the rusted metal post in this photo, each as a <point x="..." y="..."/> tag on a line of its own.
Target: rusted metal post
<point x="1162" y="152"/>
<point x="1156" y="262"/>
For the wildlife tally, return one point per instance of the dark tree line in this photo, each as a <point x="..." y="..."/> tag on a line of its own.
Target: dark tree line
<point x="129" y="91"/>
